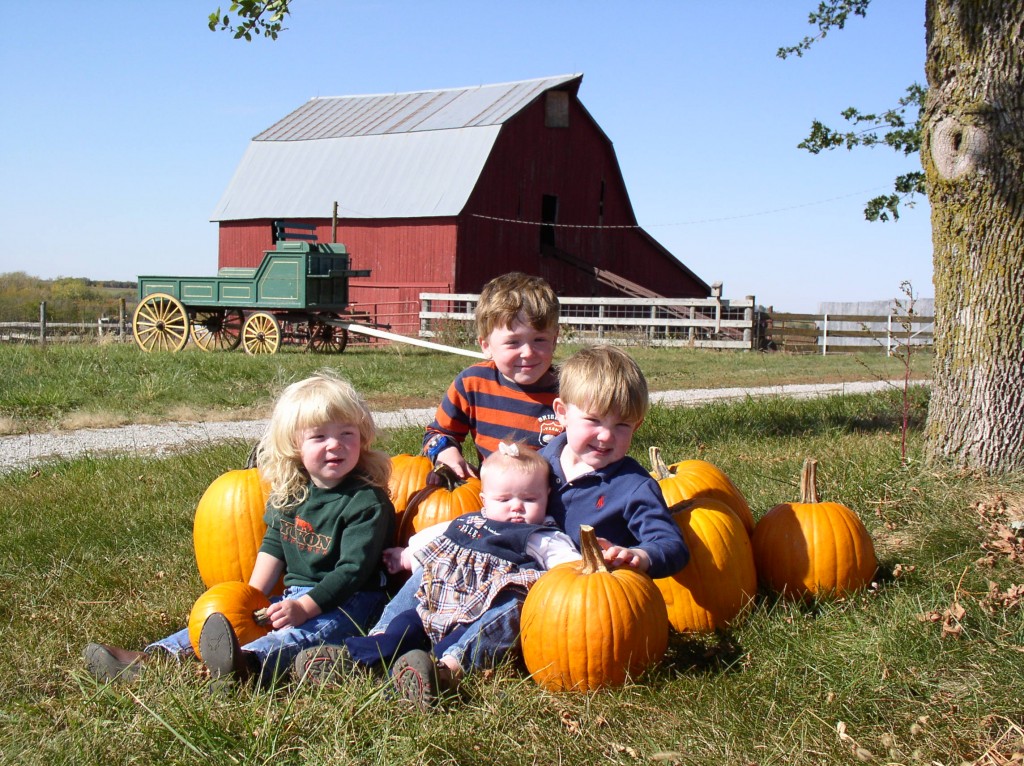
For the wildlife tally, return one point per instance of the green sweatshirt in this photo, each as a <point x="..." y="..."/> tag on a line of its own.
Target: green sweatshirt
<point x="333" y="541"/>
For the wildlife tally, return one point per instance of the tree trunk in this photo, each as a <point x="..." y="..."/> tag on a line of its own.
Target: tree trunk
<point x="973" y="157"/>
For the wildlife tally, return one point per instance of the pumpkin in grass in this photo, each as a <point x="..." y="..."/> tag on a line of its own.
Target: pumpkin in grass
<point x="241" y="603"/>
<point x="445" y="500"/>
<point x="584" y="626"/>
<point x="408" y="476"/>
<point x="813" y="549"/>
<point x="228" y="528"/>
<point x="691" y="479"/>
<point x="719" y="582"/>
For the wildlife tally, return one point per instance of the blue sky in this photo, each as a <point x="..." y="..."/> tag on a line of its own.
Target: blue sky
<point x="122" y="123"/>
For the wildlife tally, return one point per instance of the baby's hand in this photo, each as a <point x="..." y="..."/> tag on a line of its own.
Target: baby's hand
<point x="396" y="560"/>
<point x="616" y="556"/>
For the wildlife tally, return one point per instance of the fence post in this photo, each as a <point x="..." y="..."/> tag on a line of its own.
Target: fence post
<point x="824" y="337"/>
<point x="888" y="335"/>
<point x="748" y="316"/>
<point x="122" y="317"/>
<point x="42" y="323"/>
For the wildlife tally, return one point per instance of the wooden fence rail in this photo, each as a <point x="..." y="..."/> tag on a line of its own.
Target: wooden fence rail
<point x="715" y="322"/>
<point x="846" y="333"/>
<point x="695" y="322"/>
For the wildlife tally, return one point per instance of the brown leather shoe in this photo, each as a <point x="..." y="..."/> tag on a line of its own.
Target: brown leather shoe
<point x="219" y="648"/>
<point x="109" y="663"/>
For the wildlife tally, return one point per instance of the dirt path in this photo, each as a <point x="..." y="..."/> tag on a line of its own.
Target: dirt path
<point x="28" y="450"/>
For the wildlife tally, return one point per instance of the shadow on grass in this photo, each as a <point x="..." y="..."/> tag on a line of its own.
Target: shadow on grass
<point x="690" y="653"/>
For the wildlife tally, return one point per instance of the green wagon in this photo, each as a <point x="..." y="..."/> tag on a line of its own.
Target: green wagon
<point x="299" y="293"/>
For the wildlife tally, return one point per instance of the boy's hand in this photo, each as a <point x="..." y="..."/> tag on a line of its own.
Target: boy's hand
<point x="397" y="560"/>
<point x="292" y="612"/>
<point x="452" y="458"/>
<point x="616" y="556"/>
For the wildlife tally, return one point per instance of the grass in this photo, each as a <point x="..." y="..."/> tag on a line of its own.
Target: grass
<point x="100" y="550"/>
<point x="113" y="384"/>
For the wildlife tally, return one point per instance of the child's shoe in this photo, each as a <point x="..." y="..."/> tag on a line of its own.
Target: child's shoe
<point x="326" y="665"/>
<point x="109" y="663"/>
<point x="418" y="678"/>
<point x="219" y="648"/>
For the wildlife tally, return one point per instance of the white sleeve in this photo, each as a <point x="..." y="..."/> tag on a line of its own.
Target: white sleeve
<point x="550" y="548"/>
<point x="422" y="538"/>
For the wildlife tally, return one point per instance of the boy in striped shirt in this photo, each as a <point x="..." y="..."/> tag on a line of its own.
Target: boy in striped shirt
<point x="510" y="395"/>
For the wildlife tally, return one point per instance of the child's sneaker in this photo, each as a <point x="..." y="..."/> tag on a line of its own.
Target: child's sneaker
<point x="418" y="678"/>
<point x="218" y="646"/>
<point x="326" y="665"/>
<point x="111" y="663"/>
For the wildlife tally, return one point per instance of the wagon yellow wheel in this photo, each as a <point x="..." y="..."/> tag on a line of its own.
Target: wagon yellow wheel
<point x="261" y="334"/>
<point x="326" y="339"/>
<point x="160" y="323"/>
<point x="217" y="330"/>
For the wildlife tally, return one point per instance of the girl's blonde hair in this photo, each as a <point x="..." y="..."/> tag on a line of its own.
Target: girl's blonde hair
<point x="310" y="403"/>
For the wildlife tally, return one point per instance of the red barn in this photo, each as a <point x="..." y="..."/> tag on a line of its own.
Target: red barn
<point x="439" y="191"/>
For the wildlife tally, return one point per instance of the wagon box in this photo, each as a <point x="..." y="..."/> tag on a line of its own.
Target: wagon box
<point x="301" y="284"/>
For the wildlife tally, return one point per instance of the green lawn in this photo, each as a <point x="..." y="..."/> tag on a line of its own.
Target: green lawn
<point x="926" y="667"/>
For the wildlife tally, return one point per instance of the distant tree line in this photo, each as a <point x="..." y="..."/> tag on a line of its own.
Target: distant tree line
<point x="68" y="299"/>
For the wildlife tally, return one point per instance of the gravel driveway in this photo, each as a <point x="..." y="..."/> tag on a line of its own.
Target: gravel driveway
<point x="28" y="450"/>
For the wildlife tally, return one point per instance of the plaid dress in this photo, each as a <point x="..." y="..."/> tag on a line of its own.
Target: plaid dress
<point x="468" y="566"/>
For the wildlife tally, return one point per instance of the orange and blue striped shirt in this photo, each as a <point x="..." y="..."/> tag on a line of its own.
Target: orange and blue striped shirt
<point x="484" y="403"/>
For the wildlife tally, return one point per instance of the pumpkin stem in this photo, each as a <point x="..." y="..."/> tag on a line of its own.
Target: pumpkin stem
<point x="658" y="467"/>
<point x="809" y="481"/>
<point x="447" y="476"/>
<point x="260" y="617"/>
<point x="593" y="559"/>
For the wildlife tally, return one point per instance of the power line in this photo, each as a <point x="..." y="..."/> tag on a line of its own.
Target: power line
<point x="679" y="223"/>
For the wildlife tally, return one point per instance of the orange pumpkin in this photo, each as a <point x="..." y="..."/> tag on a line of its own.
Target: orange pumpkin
<point x="408" y="476"/>
<point x="813" y="549"/>
<point x="435" y="503"/>
<point x="241" y="603"/>
<point x="691" y="479"/>
<point x="229" y="528"/>
<point x="719" y="582"/>
<point x="585" y="626"/>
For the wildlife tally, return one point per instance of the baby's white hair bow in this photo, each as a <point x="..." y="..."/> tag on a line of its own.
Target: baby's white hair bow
<point x="512" y="450"/>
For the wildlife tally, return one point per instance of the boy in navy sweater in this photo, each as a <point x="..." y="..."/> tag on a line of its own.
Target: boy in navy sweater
<point x="602" y="401"/>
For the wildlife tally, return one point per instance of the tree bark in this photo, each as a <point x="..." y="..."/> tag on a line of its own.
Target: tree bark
<point x="973" y="157"/>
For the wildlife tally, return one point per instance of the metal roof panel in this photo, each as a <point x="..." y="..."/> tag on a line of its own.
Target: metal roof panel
<point x="342" y="116"/>
<point x="399" y="175"/>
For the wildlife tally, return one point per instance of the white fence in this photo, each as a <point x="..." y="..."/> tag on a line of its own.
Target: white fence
<point x="693" y="322"/>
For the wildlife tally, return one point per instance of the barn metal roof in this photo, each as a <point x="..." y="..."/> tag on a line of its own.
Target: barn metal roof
<point x="400" y="155"/>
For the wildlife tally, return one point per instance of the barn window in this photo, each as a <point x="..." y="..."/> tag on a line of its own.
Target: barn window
<point x="548" y="216"/>
<point x="556" y="109"/>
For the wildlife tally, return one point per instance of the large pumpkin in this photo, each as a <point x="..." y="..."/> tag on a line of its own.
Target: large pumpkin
<point x="448" y="499"/>
<point x="240" y="602"/>
<point x="229" y="527"/>
<point x="691" y="479"/>
<point x="719" y="582"/>
<point x="813" y="549"/>
<point x="408" y="476"/>
<point x="585" y="626"/>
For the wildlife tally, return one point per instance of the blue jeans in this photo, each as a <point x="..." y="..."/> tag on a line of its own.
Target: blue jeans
<point x="484" y="642"/>
<point x="277" y="649"/>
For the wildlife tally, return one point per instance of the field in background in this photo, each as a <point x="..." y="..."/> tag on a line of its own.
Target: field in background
<point x="87" y="385"/>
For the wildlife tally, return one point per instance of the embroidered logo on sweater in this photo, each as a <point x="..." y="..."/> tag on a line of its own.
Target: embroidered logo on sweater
<point x="549" y="428"/>
<point x="600" y="502"/>
<point x="301" y="534"/>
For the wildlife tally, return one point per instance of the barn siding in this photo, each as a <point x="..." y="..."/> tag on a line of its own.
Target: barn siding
<point x="406" y="257"/>
<point x="530" y="160"/>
